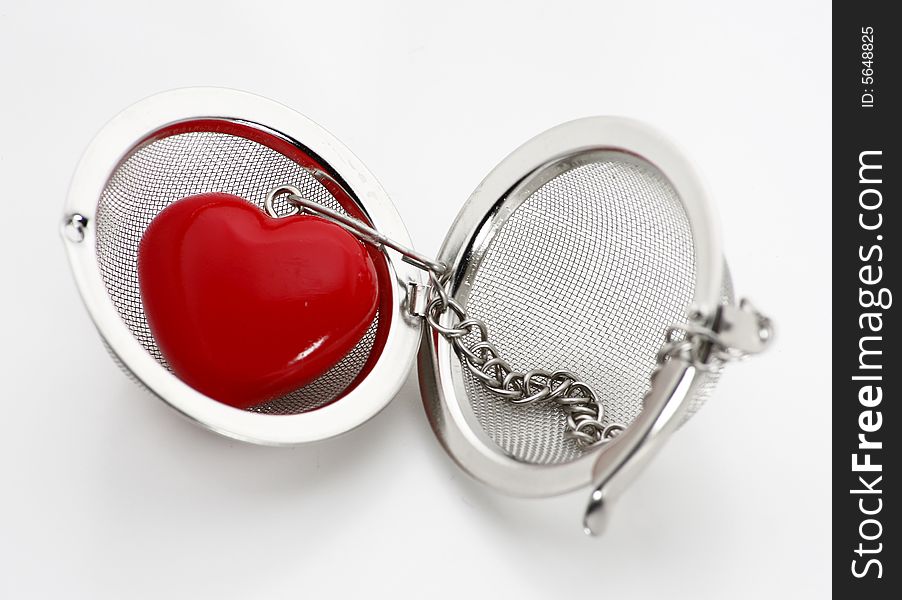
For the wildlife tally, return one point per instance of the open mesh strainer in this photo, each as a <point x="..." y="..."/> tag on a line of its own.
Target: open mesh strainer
<point x="579" y="310"/>
<point x="591" y="248"/>
<point x="201" y="140"/>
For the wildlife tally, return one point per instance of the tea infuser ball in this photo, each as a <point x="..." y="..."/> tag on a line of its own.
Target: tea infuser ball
<point x="579" y="311"/>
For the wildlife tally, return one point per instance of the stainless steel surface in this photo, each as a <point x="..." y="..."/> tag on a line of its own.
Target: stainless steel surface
<point x="578" y="250"/>
<point x="124" y="179"/>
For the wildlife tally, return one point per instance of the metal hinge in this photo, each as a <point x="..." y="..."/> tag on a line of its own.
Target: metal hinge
<point x="418" y="297"/>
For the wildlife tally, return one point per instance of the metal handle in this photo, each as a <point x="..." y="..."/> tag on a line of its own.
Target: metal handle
<point x="625" y="456"/>
<point x="737" y="332"/>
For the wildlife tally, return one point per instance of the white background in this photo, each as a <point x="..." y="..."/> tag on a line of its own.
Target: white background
<point x="106" y="493"/>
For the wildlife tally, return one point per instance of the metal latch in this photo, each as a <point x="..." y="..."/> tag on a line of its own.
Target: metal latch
<point x="742" y="329"/>
<point x="418" y="295"/>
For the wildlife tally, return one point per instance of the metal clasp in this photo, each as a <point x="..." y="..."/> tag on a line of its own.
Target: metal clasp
<point x="742" y="329"/>
<point x="418" y="298"/>
<point x="735" y="332"/>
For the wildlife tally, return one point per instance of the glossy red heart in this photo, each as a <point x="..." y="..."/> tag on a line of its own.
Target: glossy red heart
<point x="245" y="307"/>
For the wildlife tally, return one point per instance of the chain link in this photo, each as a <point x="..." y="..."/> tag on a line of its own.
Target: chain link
<point x="469" y="337"/>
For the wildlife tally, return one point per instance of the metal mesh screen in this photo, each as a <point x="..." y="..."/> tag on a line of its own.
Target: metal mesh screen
<point x="171" y="168"/>
<point x="584" y="275"/>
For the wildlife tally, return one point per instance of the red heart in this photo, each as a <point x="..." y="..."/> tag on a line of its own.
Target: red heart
<point x="245" y="307"/>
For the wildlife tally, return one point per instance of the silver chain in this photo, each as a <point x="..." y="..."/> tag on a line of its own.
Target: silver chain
<point x="469" y="337"/>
